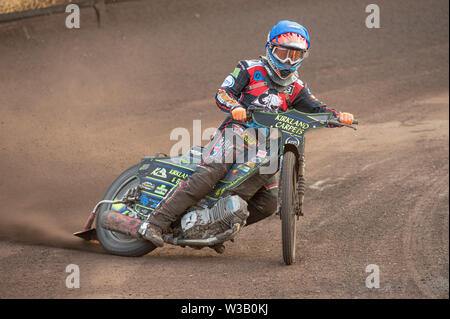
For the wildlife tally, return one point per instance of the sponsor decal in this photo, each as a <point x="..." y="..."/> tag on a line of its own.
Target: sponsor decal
<point x="258" y="76"/>
<point x="144" y="167"/>
<point x="269" y="101"/>
<point x="160" y="172"/>
<point x="249" y="139"/>
<point x="161" y="190"/>
<point x="244" y="168"/>
<point x="293" y="140"/>
<point x="184" y="161"/>
<point x="290" y="90"/>
<point x="261" y="153"/>
<point x="291" y="125"/>
<point x="148" y="202"/>
<point x="236" y="72"/>
<point x="121" y="208"/>
<point x="224" y="98"/>
<point x="176" y="180"/>
<point x="179" y="174"/>
<point x="144" y="200"/>
<point x="154" y="201"/>
<point x="149" y="186"/>
<point x="229" y="82"/>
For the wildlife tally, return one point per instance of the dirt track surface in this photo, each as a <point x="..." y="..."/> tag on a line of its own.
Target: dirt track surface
<point x="77" y="107"/>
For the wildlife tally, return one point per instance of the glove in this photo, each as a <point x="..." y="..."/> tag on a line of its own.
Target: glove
<point x="239" y="114"/>
<point x="346" y="118"/>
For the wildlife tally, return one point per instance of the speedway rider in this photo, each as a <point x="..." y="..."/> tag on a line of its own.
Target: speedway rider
<point x="270" y="83"/>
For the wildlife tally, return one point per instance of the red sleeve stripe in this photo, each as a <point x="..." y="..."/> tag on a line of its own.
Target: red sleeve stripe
<point x="221" y="106"/>
<point x="327" y="108"/>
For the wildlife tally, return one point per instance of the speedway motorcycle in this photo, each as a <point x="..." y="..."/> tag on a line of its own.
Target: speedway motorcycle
<point x="122" y="214"/>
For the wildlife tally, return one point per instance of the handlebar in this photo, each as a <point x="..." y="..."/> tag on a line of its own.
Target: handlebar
<point x="334" y="122"/>
<point x="337" y="123"/>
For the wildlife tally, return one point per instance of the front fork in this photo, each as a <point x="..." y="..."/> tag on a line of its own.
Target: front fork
<point x="301" y="185"/>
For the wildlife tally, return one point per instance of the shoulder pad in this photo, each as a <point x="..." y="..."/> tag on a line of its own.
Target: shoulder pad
<point x="300" y="82"/>
<point x="247" y="64"/>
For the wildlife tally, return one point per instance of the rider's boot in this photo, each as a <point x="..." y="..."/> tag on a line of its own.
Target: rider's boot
<point x="154" y="234"/>
<point x="157" y="226"/>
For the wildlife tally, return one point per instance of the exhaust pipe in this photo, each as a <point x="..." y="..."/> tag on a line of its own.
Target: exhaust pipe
<point x="120" y="223"/>
<point x="212" y="241"/>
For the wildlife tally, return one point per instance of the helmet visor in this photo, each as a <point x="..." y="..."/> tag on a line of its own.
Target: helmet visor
<point x="285" y="55"/>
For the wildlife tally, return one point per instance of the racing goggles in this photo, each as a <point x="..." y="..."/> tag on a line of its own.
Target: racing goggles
<point x="290" y="55"/>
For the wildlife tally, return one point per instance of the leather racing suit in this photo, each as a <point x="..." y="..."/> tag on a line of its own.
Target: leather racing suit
<point x="249" y="84"/>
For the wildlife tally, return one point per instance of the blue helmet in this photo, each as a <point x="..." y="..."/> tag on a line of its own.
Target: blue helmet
<point x="286" y="47"/>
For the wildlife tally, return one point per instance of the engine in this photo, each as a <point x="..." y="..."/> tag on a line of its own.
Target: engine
<point x="208" y="222"/>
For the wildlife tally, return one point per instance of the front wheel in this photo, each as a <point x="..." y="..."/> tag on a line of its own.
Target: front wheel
<point x="114" y="242"/>
<point x="288" y="215"/>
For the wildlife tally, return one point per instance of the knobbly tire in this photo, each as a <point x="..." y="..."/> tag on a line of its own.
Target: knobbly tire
<point x="288" y="216"/>
<point x="114" y="242"/>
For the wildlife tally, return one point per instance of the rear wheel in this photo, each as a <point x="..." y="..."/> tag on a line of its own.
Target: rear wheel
<point x="114" y="242"/>
<point x="288" y="216"/>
